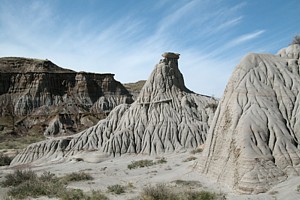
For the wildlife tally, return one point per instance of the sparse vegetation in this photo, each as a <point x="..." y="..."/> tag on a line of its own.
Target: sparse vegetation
<point x="298" y="188"/>
<point x="190" y="159"/>
<point x="296" y="40"/>
<point x="161" y="161"/>
<point x="4" y="160"/>
<point x="71" y="194"/>
<point x="140" y="163"/>
<point x="77" y="194"/>
<point x="197" y="150"/>
<point x="162" y="192"/>
<point x="77" y="176"/>
<point x="8" y="140"/>
<point x="145" y="163"/>
<point x="117" y="189"/>
<point x="26" y="183"/>
<point x="199" y="195"/>
<point x="158" y="192"/>
<point x="187" y="183"/>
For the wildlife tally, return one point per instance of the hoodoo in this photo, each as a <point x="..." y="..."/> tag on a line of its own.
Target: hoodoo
<point x="253" y="142"/>
<point x="165" y="117"/>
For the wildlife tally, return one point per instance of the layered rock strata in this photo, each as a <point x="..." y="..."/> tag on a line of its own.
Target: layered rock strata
<point x="32" y="88"/>
<point x="253" y="142"/>
<point x="166" y="117"/>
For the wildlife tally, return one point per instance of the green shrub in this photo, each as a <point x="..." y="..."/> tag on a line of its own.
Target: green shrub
<point x="161" y="161"/>
<point x="158" y="192"/>
<point x="73" y="194"/>
<point x="162" y="192"/>
<point x="296" y="40"/>
<point x="198" y="150"/>
<point x="145" y="163"/>
<point x="77" y="194"/>
<point x="190" y="159"/>
<point x="19" y="177"/>
<point x="117" y="189"/>
<point x="27" y="183"/>
<point x="98" y="195"/>
<point x="37" y="188"/>
<point x="5" y="160"/>
<point x="298" y="188"/>
<point x="202" y="195"/>
<point x="77" y="176"/>
<point x="140" y="163"/>
<point x="187" y="183"/>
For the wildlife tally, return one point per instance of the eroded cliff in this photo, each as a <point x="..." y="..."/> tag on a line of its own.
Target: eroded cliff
<point x="37" y="92"/>
<point x="253" y="142"/>
<point x="166" y="117"/>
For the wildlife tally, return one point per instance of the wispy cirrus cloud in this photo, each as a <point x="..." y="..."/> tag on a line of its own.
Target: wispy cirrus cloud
<point x="245" y="38"/>
<point x="210" y="35"/>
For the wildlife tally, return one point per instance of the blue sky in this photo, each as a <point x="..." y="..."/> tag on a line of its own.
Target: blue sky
<point x="127" y="37"/>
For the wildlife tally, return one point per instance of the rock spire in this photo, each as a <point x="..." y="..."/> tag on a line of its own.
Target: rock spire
<point x="165" y="117"/>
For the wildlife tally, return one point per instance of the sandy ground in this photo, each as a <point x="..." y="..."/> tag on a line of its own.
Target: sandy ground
<point x="115" y="171"/>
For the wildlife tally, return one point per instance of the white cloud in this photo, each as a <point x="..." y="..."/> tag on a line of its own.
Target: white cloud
<point x="244" y="38"/>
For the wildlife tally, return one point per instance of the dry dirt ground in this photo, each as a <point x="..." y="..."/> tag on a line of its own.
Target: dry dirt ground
<point x="115" y="171"/>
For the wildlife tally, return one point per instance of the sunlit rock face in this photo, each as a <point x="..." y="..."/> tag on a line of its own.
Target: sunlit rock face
<point x="39" y="91"/>
<point x="166" y="117"/>
<point x="253" y="142"/>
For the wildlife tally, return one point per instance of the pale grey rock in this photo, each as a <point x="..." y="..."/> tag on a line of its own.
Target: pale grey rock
<point x="166" y="117"/>
<point x="291" y="52"/>
<point x="253" y="142"/>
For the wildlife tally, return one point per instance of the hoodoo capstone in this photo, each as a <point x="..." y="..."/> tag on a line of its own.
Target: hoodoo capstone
<point x="166" y="117"/>
<point x="254" y="138"/>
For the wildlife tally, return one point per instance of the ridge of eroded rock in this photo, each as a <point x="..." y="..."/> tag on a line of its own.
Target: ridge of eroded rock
<point x="253" y="142"/>
<point x="166" y="117"/>
<point x="36" y="91"/>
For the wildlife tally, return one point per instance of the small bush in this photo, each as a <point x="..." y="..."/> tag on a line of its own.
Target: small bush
<point x="187" y="183"/>
<point x="98" y="195"/>
<point x="73" y="194"/>
<point x="36" y="188"/>
<point x="19" y="177"/>
<point x="117" y="189"/>
<point x="5" y="160"/>
<point x="298" y="188"/>
<point x="77" y="194"/>
<point x="140" y="163"/>
<point x="27" y="183"/>
<point x="158" y="192"/>
<point x="77" y="176"/>
<point x="296" y="40"/>
<point x="190" y="159"/>
<point x="162" y="192"/>
<point x="202" y="195"/>
<point x="161" y="161"/>
<point x="198" y="150"/>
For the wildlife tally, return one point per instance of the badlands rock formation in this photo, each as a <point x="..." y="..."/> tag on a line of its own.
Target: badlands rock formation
<point x="254" y="138"/>
<point x="166" y="117"/>
<point x="38" y="91"/>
